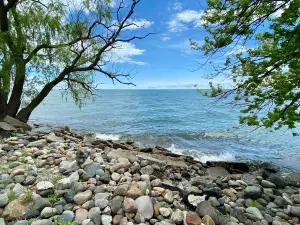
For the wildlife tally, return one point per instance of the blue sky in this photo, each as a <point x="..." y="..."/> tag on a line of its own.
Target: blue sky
<point x="165" y="59"/>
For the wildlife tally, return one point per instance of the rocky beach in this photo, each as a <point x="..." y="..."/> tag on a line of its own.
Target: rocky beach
<point x="63" y="177"/>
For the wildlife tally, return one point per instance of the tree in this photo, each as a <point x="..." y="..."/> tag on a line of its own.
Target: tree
<point x="260" y="42"/>
<point x="44" y="44"/>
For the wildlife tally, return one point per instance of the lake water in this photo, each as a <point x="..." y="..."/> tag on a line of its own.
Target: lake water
<point x="180" y="120"/>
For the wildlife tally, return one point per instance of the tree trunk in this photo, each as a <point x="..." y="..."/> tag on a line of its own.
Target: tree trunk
<point x="25" y="113"/>
<point x="3" y="106"/>
<point x="16" y="95"/>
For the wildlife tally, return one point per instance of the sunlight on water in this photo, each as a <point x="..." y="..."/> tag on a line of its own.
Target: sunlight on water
<point x="181" y="120"/>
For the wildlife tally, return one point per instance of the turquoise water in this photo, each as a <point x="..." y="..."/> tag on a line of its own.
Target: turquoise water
<point x="181" y="120"/>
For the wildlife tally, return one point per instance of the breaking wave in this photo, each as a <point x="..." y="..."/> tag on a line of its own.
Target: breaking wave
<point x="113" y="137"/>
<point x="203" y="156"/>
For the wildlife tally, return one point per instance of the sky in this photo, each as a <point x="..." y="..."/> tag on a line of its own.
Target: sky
<point x="164" y="59"/>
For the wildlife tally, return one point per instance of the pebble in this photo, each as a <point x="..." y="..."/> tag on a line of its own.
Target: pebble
<point x="101" y="203"/>
<point x="95" y="215"/>
<point x="48" y="212"/>
<point x="255" y="212"/>
<point x="104" y="186"/>
<point x="83" y="197"/>
<point x="66" y="216"/>
<point x="145" y="207"/>
<point x="81" y="215"/>
<point x="129" y="205"/>
<point x="106" y="220"/>
<point x="177" y="216"/>
<point x="192" y="218"/>
<point x="3" y="200"/>
<point x="267" y="184"/>
<point x="165" y="212"/>
<point x="252" y="192"/>
<point x="42" y="222"/>
<point x="168" y="197"/>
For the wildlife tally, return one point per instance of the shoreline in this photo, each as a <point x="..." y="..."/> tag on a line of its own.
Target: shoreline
<point x="207" y="156"/>
<point x="63" y="176"/>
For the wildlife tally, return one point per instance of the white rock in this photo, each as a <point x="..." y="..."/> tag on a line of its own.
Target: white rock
<point x="145" y="206"/>
<point x="18" y="189"/>
<point x="48" y="212"/>
<point x="195" y="200"/>
<point x="74" y="177"/>
<point x="115" y="176"/>
<point x="165" y="212"/>
<point x="255" y="211"/>
<point x="106" y="220"/>
<point x="44" y="185"/>
<point x="64" y="183"/>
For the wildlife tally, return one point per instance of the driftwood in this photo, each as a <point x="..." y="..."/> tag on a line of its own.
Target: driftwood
<point x="231" y="167"/>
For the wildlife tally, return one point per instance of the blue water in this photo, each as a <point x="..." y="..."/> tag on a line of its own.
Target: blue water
<point x="181" y="120"/>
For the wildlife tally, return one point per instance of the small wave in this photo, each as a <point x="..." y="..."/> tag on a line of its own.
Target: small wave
<point x="177" y="150"/>
<point x="226" y="156"/>
<point x="113" y="137"/>
<point x="202" y="156"/>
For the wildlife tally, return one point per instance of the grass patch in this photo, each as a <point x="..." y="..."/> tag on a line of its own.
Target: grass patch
<point x="254" y="204"/>
<point x="57" y="178"/>
<point x="53" y="198"/>
<point x="11" y="196"/>
<point x="32" y="220"/>
<point x="24" y="154"/>
<point x="227" y="216"/>
<point x="27" y="197"/>
<point x="63" y="222"/>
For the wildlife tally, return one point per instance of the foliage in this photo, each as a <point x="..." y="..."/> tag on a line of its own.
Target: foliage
<point x="48" y="44"/>
<point x="227" y="216"/>
<point x="11" y="196"/>
<point x="24" y="153"/>
<point x="255" y="204"/>
<point x="56" y="179"/>
<point x="31" y="220"/>
<point x="260" y="43"/>
<point x="53" y="198"/>
<point x="215" y="91"/>
<point x="63" y="222"/>
<point x="27" y="196"/>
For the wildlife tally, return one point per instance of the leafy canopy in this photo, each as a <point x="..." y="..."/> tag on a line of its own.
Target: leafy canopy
<point x="61" y="43"/>
<point x="42" y="31"/>
<point x="260" y="41"/>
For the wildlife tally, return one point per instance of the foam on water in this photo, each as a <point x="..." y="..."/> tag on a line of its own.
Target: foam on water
<point x="225" y="156"/>
<point x="113" y="137"/>
<point x="202" y="156"/>
<point x="164" y="117"/>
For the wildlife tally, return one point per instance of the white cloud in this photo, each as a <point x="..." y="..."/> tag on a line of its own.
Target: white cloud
<point x="185" y="19"/>
<point x="177" y="6"/>
<point x="124" y="53"/>
<point x="165" y="38"/>
<point x="184" y="47"/>
<point x="139" y="23"/>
